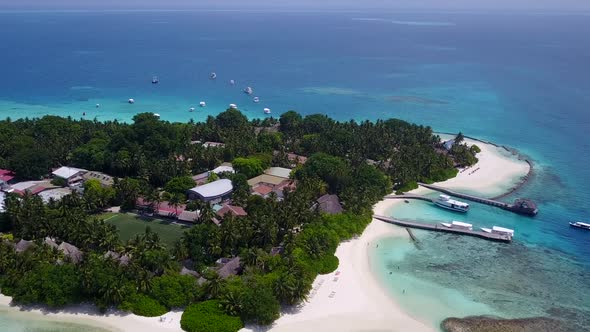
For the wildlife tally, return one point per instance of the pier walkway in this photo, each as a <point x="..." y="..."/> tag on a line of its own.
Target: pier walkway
<point x="441" y="228"/>
<point x="528" y="208"/>
<point x="410" y="196"/>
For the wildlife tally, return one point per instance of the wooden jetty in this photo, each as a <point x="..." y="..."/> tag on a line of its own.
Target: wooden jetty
<point x="520" y="206"/>
<point x="441" y="228"/>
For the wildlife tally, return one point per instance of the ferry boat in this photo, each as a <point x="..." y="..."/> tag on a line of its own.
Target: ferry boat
<point x="256" y="99"/>
<point x="202" y="104"/>
<point x="499" y="230"/>
<point x="581" y="225"/>
<point x="248" y="90"/>
<point x="213" y="76"/>
<point x="155" y="80"/>
<point x="267" y="111"/>
<point x="458" y="225"/>
<point x="445" y="201"/>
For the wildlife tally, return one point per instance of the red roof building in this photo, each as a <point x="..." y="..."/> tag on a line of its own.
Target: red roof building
<point x="6" y="175"/>
<point x="236" y="211"/>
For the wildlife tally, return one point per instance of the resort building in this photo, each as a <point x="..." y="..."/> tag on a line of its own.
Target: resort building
<point x="224" y="168"/>
<point x="329" y="204"/>
<point x="214" y="192"/>
<point x="236" y="211"/>
<point x="296" y="160"/>
<point x="201" y="178"/>
<point x="280" y="172"/>
<point x="32" y="187"/>
<point x="266" y="179"/>
<point x="72" y="175"/>
<point x="188" y="216"/>
<point x="2" y="198"/>
<point x="6" y="177"/>
<point x="54" y="194"/>
<point x="104" y="179"/>
<point x="228" y="267"/>
<point x="213" y="145"/>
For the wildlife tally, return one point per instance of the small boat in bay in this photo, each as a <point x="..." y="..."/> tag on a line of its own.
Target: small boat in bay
<point x="192" y="109"/>
<point x="581" y="225"/>
<point x="202" y="104"/>
<point x="213" y="76"/>
<point x="157" y="115"/>
<point x="155" y="80"/>
<point x="445" y="201"/>
<point x="248" y="90"/>
<point x="267" y="111"/>
<point x="131" y="101"/>
<point x="256" y="100"/>
<point x="233" y="106"/>
<point x="232" y="82"/>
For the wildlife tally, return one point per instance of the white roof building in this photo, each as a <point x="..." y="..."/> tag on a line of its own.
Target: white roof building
<point x="223" y="169"/>
<point x="279" y="172"/>
<point x="2" y="197"/>
<point x="212" y="191"/>
<point x="68" y="172"/>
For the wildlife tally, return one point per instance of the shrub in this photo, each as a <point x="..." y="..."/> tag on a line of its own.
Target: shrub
<point x="143" y="305"/>
<point x="208" y="317"/>
<point x="60" y="182"/>
<point x="328" y="264"/>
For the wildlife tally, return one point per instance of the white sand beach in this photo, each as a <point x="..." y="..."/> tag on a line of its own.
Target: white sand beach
<point x="349" y="299"/>
<point x="115" y="321"/>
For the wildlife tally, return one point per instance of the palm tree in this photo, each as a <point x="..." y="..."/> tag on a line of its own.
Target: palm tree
<point x="213" y="285"/>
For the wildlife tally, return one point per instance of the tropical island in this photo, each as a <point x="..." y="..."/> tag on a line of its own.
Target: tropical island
<point x="257" y="208"/>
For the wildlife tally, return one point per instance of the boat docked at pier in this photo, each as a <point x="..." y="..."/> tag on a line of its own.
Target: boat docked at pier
<point x="458" y="225"/>
<point x="446" y="202"/>
<point x="581" y="225"/>
<point x="500" y="231"/>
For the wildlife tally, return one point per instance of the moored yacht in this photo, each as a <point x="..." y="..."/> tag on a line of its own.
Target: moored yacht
<point x="213" y="76"/>
<point x="232" y="82"/>
<point x="256" y="99"/>
<point x="192" y="109"/>
<point x="202" y="104"/>
<point x="131" y="101"/>
<point x="267" y="111"/>
<point x="248" y="90"/>
<point x="499" y="230"/>
<point x="446" y="202"/>
<point x="233" y="106"/>
<point x="155" y="80"/>
<point x="581" y="225"/>
<point x="458" y="225"/>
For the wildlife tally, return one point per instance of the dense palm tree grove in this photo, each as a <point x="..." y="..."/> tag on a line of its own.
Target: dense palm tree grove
<point x="282" y="243"/>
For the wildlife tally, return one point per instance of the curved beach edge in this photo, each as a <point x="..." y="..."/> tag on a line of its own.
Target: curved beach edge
<point x="352" y="298"/>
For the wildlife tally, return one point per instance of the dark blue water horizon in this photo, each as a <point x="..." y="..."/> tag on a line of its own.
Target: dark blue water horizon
<point x="515" y="79"/>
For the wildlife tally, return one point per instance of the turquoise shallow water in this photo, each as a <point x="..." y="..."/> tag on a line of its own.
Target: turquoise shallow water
<point x="25" y="322"/>
<point x="515" y="79"/>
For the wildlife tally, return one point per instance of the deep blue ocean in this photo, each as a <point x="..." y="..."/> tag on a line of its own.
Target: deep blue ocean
<point x="521" y="80"/>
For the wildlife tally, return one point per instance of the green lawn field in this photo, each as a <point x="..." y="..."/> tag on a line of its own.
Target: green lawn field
<point x="131" y="224"/>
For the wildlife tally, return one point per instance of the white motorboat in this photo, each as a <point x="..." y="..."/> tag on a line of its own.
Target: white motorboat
<point x="131" y="101"/>
<point x="157" y="115"/>
<point x="232" y="82"/>
<point x="256" y="99"/>
<point x="233" y="106"/>
<point x="155" y="80"/>
<point x="446" y="202"/>
<point x="213" y="76"/>
<point x="202" y="104"/>
<point x="248" y="90"/>
<point x="192" y="109"/>
<point x="579" y="224"/>
<point x="267" y="111"/>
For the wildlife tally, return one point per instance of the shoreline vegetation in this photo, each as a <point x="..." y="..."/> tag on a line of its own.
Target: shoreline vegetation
<point x="315" y="248"/>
